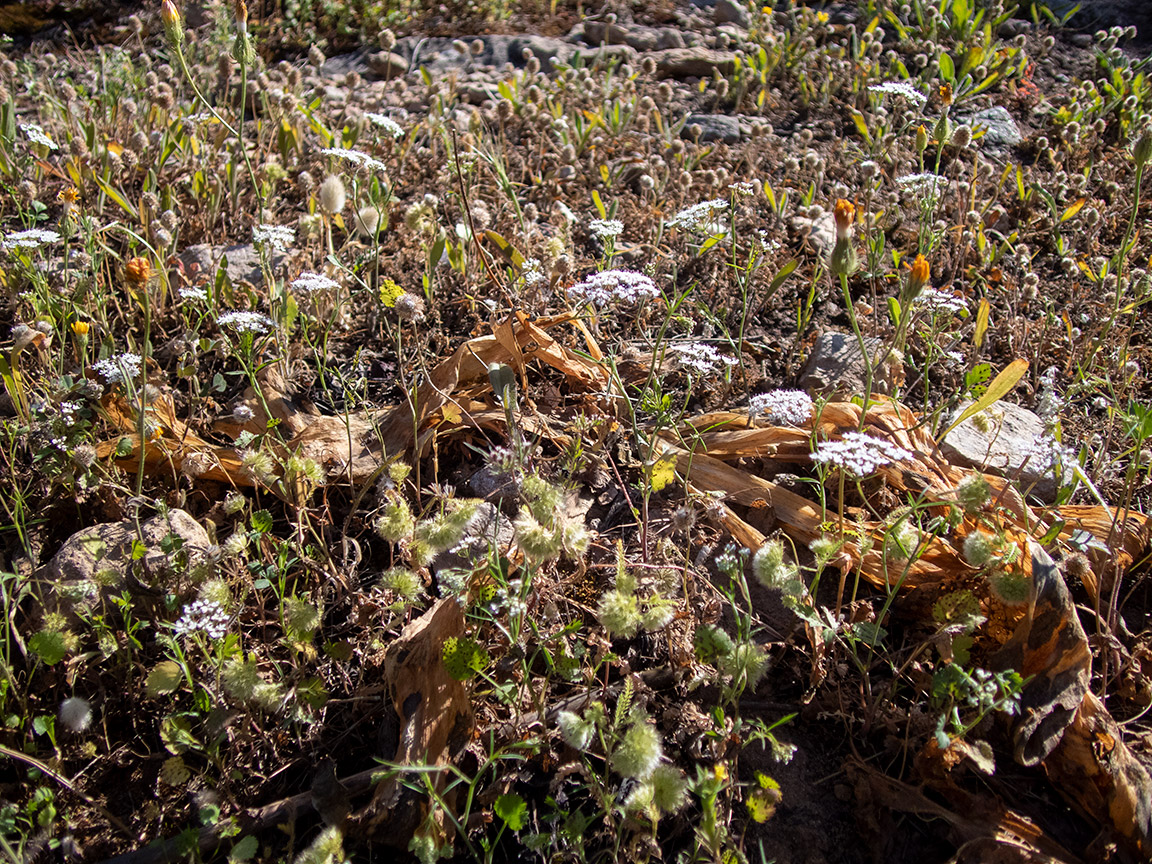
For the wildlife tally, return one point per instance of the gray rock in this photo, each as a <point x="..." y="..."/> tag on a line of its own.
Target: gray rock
<point x="607" y="53"/>
<point x="717" y="127"/>
<point x="732" y="12"/>
<point x="693" y="62"/>
<point x="489" y="526"/>
<point x="436" y="54"/>
<point x="820" y="233"/>
<point x="1013" y="27"/>
<point x="836" y="367"/>
<point x="999" y="441"/>
<point x="96" y="564"/>
<point x="635" y="36"/>
<point x="387" y="65"/>
<point x="243" y="262"/>
<point x="1000" y="131"/>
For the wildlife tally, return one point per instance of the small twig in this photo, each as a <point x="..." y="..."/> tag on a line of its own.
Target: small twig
<point x="67" y="784"/>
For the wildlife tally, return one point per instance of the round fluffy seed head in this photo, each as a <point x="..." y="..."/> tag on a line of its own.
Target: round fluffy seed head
<point x="973" y="492"/>
<point x="619" y="613"/>
<point x="332" y="194"/>
<point x="1011" y="588"/>
<point x="75" y="714"/>
<point x="395" y="522"/>
<point x="669" y="788"/>
<point x="979" y="548"/>
<point x="576" y="730"/>
<point x="711" y="643"/>
<point x="639" y="752"/>
<point x="769" y="567"/>
<point x="409" y="307"/>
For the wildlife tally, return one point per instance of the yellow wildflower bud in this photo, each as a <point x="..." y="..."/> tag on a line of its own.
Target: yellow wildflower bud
<point x="919" y="276"/>
<point x="173" y="23"/>
<point x="843" y="261"/>
<point x="845" y="215"/>
<point x="921" y="138"/>
<point x="80" y="328"/>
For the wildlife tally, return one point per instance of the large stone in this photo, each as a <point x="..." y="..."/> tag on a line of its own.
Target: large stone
<point x="1000" y="131"/>
<point x="437" y="54"/>
<point x="836" y="367"/>
<point x="243" y="262"/>
<point x="98" y="563"/>
<point x="693" y="62"/>
<point x="999" y="441"/>
<point x="732" y="12"/>
<point x="714" y="127"/>
<point x="635" y="36"/>
<point x="387" y="65"/>
<point x="819" y="233"/>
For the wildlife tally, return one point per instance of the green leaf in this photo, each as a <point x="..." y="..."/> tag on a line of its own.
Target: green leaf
<point x="506" y="249"/>
<point x="861" y="126"/>
<point x="997" y="390"/>
<point x="512" y="809"/>
<point x="49" y="646"/>
<point x="262" y="521"/>
<point x="599" y="204"/>
<point x="165" y="677"/>
<point x="176" y="734"/>
<point x="947" y="69"/>
<point x="763" y="800"/>
<point x="244" y="849"/>
<point x="712" y="241"/>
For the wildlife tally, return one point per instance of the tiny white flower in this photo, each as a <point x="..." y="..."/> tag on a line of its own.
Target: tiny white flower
<point x="783" y="407"/>
<point x="310" y="283"/>
<point x="387" y="124"/>
<point x="699" y="215"/>
<point x="700" y="358"/>
<point x="114" y="368"/>
<point x="245" y="322"/>
<point x="940" y="302"/>
<point x="37" y="135"/>
<point x="360" y="160"/>
<point x="860" y="454"/>
<point x="203" y="615"/>
<point x="606" y="228"/>
<point x="279" y="237"/>
<point x="919" y="184"/>
<point x="900" y="88"/>
<point x="193" y="292"/>
<point x="623" y="286"/>
<point x="30" y="239"/>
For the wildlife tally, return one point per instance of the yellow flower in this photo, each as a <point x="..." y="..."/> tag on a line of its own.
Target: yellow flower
<point x="68" y="196"/>
<point x="80" y="328"/>
<point x="845" y="215"/>
<point x="720" y="771"/>
<point x="946" y="94"/>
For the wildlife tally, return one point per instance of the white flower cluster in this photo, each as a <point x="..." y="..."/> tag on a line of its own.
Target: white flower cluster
<point x="279" y="237"/>
<point x="203" y="615"/>
<point x="621" y="286"/>
<point x="310" y="283"/>
<point x="1045" y="453"/>
<point x="193" y="292"/>
<point x="30" y="239"/>
<point x="606" y="229"/>
<point x="698" y="214"/>
<point x="745" y="187"/>
<point x="783" y="407"/>
<point x="901" y="88"/>
<point x="245" y="322"/>
<point x="360" y="160"/>
<point x="387" y="124"/>
<point x="940" y="302"/>
<point x="919" y="184"/>
<point x="859" y="453"/>
<point x="533" y="272"/>
<point x="37" y="135"/>
<point x="700" y="358"/>
<point x="113" y="368"/>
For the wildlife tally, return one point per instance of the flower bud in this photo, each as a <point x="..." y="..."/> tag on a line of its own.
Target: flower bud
<point x="1142" y="151"/>
<point x="921" y="139"/>
<point x="918" y="277"/>
<point x="173" y="25"/>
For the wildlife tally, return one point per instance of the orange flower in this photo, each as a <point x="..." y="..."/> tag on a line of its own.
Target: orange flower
<point x="946" y="94"/>
<point x="845" y="215"/>
<point x="68" y="196"/>
<point x="921" y="272"/>
<point x="137" y="271"/>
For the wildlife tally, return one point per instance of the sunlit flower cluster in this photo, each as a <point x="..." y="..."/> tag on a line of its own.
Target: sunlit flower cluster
<point x="310" y="283"/>
<point x="900" y="88"/>
<point x="30" y="239"/>
<point x="387" y="124"/>
<point x="699" y="215"/>
<point x="783" y="407"/>
<point x="360" y="160"/>
<point x="940" y="302"/>
<point x="113" y="368"/>
<point x="919" y="184"/>
<point x="245" y="322"/>
<point x="205" y="616"/>
<point x="700" y="358"/>
<point x="36" y="135"/>
<point x="277" y="236"/>
<point x="606" y="229"/>
<point x="620" y="286"/>
<point x="860" y="454"/>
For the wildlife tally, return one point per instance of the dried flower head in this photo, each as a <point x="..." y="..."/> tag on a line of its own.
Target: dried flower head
<point x="333" y="197"/>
